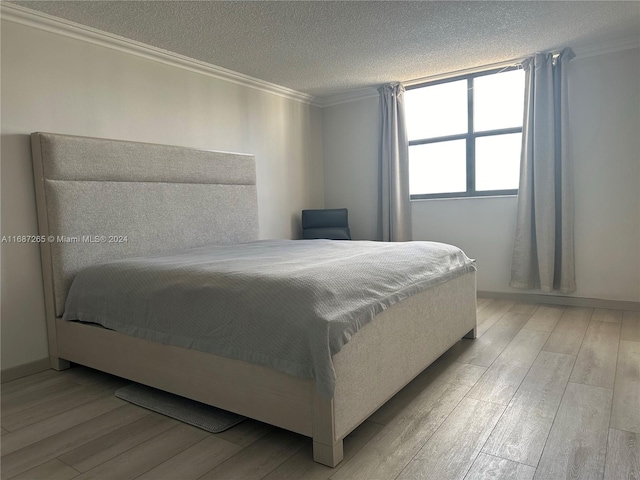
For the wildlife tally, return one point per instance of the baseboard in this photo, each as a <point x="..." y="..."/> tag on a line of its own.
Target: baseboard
<point x="13" y="373"/>
<point x="564" y="300"/>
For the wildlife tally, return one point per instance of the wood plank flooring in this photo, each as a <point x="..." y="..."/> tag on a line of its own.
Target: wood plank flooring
<point x="544" y="392"/>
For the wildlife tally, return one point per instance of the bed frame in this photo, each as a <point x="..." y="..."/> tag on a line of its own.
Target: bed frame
<point x="92" y="193"/>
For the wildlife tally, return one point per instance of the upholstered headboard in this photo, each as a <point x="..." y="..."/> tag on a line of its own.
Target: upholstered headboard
<point x="100" y="199"/>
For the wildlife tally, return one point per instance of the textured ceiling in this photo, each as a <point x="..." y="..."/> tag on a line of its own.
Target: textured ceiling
<point x="325" y="47"/>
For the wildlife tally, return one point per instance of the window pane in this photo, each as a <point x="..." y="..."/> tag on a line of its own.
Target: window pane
<point x="438" y="167"/>
<point x="498" y="100"/>
<point x="498" y="162"/>
<point x="437" y="110"/>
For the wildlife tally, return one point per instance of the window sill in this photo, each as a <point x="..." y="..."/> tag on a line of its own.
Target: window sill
<point x="478" y="197"/>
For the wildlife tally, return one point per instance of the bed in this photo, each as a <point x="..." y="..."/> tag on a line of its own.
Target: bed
<point x="100" y="200"/>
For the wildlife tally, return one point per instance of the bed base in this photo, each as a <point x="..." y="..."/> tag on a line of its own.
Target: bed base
<point x="80" y="182"/>
<point x="369" y="369"/>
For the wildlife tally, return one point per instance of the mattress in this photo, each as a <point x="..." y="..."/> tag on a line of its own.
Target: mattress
<point x="289" y="305"/>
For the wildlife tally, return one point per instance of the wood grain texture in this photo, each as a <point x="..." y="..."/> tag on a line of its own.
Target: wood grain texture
<point x="501" y="380"/>
<point x="569" y="331"/>
<point x="596" y="362"/>
<point x="577" y="443"/>
<point x="443" y="370"/>
<point x="302" y="466"/>
<point x="491" y="313"/>
<point x="545" y="318"/>
<point x="488" y="467"/>
<point x="35" y="432"/>
<point x="381" y="447"/>
<point x="195" y="461"/>
<point x="142" y="458"/>
<point x="607" y="315"/>
<point x="30" y="382"/>
<point x="623" y="456"/>
<point x="522" y="431"/>
<point x="526" y="308"/>
<point x="51" y="470"/>
<point x="260" y="458"/>
<point x="74" y="399"/>
<point x="630" y="327"/>
<point x="245" y="433"/>
<point x="387" y="454"/>
<point x="453" y="448"/>
<point x="481" y="302"/>
<point x="101" y="449"/>
<point x="23" y="399"/>
<point x="625" y="414"/>
<point x="628" y="366"/>
<point x="63" y="442"/>
<point x="485" y="349"/>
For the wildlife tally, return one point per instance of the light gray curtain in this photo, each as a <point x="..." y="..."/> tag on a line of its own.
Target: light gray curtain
<point x="394" y="222"/>
<point x="543" y="254"/>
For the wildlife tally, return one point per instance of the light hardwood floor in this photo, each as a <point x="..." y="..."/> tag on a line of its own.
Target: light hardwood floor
<point x="545" y="392"/>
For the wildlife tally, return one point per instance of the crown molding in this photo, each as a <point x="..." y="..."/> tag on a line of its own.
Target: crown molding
<point x="42" y="21"/>
<point x="611" y="46"/>
<point x="346" y="97"/>
<point x="32" y="18"/>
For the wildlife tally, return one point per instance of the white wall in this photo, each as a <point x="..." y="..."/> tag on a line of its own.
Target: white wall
<point x="605" y="116"/>
<point x="350" y="133"/>
<point x="57" y="84"/>
<point x="605" y="124"/>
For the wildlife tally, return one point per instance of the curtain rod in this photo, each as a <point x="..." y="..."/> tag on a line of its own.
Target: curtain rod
<point x="468" y="71"/>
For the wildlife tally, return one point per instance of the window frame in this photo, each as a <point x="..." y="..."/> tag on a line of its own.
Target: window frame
<point x="470" y="138"/>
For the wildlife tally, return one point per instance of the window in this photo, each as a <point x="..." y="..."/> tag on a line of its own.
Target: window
<point x="465" y="135"/>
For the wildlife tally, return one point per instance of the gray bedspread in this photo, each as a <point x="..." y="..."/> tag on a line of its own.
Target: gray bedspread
<point x="289" y="305"/>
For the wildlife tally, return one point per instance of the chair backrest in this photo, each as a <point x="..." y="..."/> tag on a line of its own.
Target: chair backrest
<point x="330" y="223"/>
